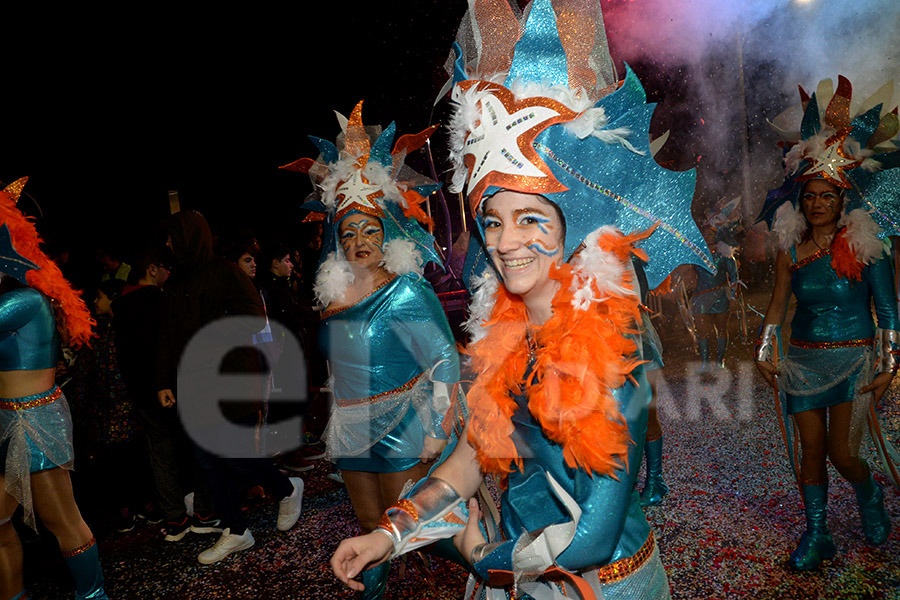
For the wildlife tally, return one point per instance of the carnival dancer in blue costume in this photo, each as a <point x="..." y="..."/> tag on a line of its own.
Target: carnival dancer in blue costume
<point x="558" y="408"/>
<point x="655" y="488"/>
<point x="833" y="263"/>
<point x="712" y="297"/>
<point x="38" y="310"/>
<point x="392" y="355"/>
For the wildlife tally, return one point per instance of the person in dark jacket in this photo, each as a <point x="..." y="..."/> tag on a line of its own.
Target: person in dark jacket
<point x="138" y="318"/>
<point x="206" y="364"/>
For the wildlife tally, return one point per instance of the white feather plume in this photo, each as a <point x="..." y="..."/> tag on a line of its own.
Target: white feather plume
<point x="466" y="115"/>
<point x="862" y="235"/>
<point x="482" y="305"/>
<point x="596" y="272"/>
<point x="401" y="256"/>
<point x="577" y="100"/>
<point x="332" y="279"/>
<point x="724" y="249"/>
<point x="592" y="122"/>
<point x="789" y="225"/>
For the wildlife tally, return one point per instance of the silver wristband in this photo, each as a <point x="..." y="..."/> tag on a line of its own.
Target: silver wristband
<point x="431" y="501"/>
<point x="769" y="343"/>
<point x="887" y="350"/>
<point x="482" y="550"/>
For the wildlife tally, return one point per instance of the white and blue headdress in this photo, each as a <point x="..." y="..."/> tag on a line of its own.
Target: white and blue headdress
<point x="361" y="172"/>
<point x="554" y="122"/>
<point x="854" y="148"/>
<point x="851" y="147"/>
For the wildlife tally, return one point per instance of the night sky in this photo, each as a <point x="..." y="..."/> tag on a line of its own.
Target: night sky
<point x="108" y="111"/>
<point x="107" y="117"/>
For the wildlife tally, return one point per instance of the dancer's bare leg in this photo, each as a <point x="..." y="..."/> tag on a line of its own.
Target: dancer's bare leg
<point x="11" y="582"/>
<point x="54" y="503"/>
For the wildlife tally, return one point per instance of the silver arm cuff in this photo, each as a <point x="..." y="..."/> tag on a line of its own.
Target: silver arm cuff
<point x="887" y="350"/>
<point x="769" y="344"/>
<point x="431" y="501"/>
<point x="482" y="550"/>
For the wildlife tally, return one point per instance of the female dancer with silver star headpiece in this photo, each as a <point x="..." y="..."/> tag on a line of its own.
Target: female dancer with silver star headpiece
<point x="558" y="408"/>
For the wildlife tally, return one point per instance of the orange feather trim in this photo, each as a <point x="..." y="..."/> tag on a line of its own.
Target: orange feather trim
<point x="74" y="320"/>
<point x="663" y="288"/>
<point x="414" y="201"/>
<point x="843" y="259"/>
<point x="582" y="356"/>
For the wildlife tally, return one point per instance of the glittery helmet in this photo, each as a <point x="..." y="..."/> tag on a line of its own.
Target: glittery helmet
<point x="361" y="172"/>
<point x="855" y="153"/>
<point x="556" y="123"/>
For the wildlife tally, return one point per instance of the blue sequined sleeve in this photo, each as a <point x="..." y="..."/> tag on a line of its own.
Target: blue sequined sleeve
<point x="612" y="525"/>
<point x="422" y="317"/>
<point x="884" y="296"/>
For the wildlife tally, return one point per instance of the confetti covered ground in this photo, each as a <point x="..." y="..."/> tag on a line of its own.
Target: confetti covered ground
<point x="725" y="530"/>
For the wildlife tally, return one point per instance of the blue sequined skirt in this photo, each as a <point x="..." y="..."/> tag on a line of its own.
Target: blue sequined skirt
<point x="35" y="435"/>
<point x="396" y="451"/>
<point x="44" y="422"/>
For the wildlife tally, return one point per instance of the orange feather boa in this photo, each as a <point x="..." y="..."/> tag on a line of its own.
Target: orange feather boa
<point x="74" y="320"/>
<point x="582" y="356"/>
<point x="843" y="259"/>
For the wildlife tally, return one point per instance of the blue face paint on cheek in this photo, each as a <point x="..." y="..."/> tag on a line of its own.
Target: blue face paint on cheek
<point x="538" y="246"/>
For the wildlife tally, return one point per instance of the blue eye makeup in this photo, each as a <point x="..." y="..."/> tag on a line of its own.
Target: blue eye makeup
<point x="490" y="222"/>
<point x="534" y="219"/>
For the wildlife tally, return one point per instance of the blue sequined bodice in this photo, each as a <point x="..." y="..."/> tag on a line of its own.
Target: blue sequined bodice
<point x="832" y="308"/>
<point x="388" y="339"/>
<point x="28" y="336"/>
<point x="612" y="525"/>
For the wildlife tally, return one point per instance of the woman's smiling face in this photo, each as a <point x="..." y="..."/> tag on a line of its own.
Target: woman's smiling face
<point x="524" y="235"/>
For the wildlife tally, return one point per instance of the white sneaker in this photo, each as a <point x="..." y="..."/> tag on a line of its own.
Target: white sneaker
<point x="289" y="508"/>
<point x="227" y="543"/>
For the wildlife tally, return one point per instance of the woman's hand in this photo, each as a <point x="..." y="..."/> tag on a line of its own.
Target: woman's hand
<point x="431" y="449"/>
<point x="469" y="538"/>
<point x="353" y="555"/>
<point x="768" y="371"/>
<point x="879" y="385"/>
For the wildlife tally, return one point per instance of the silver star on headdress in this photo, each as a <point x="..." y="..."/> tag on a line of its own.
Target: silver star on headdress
<point x="833" y="162"/>
<point x="357" y="193"/>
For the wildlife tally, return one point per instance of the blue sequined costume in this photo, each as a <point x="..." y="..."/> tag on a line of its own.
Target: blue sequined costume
<point x="530" y="504"/>
<point x="713" y="294"/>
<point x="829" y="356"/>
<point x="35" y="431"/>
<point x="384" y="353"/>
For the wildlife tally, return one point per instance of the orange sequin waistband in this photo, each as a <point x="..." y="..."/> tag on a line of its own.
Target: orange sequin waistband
<point x="624" y="567"/>
<point x="32" y="401"/>
<point x="828" y="345"/>
<point x="369" y="399"/>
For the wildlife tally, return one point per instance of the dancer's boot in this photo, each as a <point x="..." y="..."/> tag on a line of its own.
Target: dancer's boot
<point x="876" y="523"/>
<point x="721" y="345"/>
<point x="84" y="564"/>
<point x="703" y="348"/>
<point x="816" y="544"/>
<point x="375" y="580"/>
<point x="654" y="486"/>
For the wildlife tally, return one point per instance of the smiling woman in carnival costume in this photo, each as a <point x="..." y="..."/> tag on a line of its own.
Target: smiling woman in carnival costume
<point x="554" y="158"/>
<point x="832" y="260"/>
<point x="391" y="353"/>
<point x="38" y="309"/>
